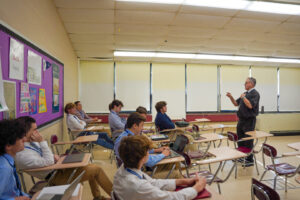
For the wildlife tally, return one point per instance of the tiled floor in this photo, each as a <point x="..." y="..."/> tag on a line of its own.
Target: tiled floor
<point x="234" y="188"/>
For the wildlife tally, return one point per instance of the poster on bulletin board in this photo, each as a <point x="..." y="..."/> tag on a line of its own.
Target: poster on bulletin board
<point x="33" y="100"/>
<point x="34" y="69"/>
<point x="16" y="60"/>
<point x="24" y="98"/>
<point x="3" y="106"/>
<point x="42" y="101"/>
<point x="55" y="88"/>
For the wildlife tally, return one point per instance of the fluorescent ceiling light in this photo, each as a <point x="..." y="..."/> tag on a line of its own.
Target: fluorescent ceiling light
<point x="255" y="6"/>
<point x="229" y="4"/>
<point x="203" y="57"/>
<point x="270" y="7"/>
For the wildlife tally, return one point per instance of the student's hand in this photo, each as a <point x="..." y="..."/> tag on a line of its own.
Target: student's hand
<point x="166" y="152"/>
<point x="37" y="137"/>
<point x="161" y="149"/>
<point x="186" y="181"/>
<point x="22" y="198"/>
<point x="200" y="183"/>
<point x="228" y="94"/>
<point x="56" y="158"/>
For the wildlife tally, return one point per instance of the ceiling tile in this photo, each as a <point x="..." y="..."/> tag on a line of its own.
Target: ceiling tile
<point x="103" y="4"/>
<point x="128" y="39"/>
<point x="229" y="34"/>
<point x="87" y="15"/>
<point x="133" y="47"/>
<point x="290" y="28"/>
<point x="261" y="16"/>
<point x="123" y="5"/>
<point x="138" y="29"/>
<point x="207" y="11"/>
<point x="89" y="28"/>
<point x="200" y="20"/>
<point x="91" y="38"/>
<point x="251" y="25"/>
<point x="143" y="17"/>
<point x="92" y="47"/>
<point x="183" y="31"/>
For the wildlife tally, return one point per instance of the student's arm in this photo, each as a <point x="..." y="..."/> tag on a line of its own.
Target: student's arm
<point x="28" y="159"/>
<point x="116" y="122"/>
<point x="78" y="125"/>
<point x="5" y="177"/>
<point x="154" y="159"/>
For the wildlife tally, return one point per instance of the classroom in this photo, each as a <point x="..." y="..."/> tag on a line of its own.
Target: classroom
<point x="149" y="99"/>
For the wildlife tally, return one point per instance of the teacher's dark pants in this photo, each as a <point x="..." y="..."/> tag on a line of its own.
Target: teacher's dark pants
<point x="243" y="126"/>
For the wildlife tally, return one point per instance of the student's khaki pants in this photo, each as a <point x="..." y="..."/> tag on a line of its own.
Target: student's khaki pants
<point x="93" y="173"/>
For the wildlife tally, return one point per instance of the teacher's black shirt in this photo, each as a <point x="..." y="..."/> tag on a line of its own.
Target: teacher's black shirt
<point x="244" y="112"/>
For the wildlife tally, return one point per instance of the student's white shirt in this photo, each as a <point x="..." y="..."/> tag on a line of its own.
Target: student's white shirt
<point x="74" y="123"/>
<point x="29" y="159"/>
<point x="129" y="186"/>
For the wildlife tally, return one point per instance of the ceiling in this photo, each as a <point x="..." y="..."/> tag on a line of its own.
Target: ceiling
<point x="98" y="27"/>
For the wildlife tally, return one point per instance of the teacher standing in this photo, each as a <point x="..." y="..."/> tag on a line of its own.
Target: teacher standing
<point x="248" y="104"/>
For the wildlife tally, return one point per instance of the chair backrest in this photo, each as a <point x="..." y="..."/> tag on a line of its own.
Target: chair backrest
<point x="269" y="150"/>
<point x="232" y="136"/>
<point x="53" y="139"/>
<point x="195" y="128"/>
<point x="180" y="142"/>
<point x="262" y="191"/>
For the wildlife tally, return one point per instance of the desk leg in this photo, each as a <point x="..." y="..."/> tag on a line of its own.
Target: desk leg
<point x="216" y="173"/>
<point x="153" y="172"/>
<point x="51" y="177"/>
<point x="23" y="182"/>
<point x="71" y="176"/>
<point x="173" y="167"/>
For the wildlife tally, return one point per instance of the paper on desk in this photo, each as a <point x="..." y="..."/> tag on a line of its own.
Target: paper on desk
<point x="57" y="190"/>
<point x="90" y="128"/>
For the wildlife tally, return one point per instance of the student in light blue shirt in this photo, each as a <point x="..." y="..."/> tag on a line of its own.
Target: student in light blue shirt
<point x="116" y="123"/>
<point x="135" y="123"/>
<point x="12" y="135"/>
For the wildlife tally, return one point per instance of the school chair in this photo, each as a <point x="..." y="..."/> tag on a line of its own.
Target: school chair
<point x="280" y="169"/>
<point x="262" y="191"/>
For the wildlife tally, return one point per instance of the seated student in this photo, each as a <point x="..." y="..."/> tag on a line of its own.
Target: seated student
<point x="11" y="141"/>
<point x="131" y="183"/>
<point x="134" y="125"/>
<point x="142" y="111"/>
<point x="162" y="120"/>
<point x="37" y="154"/>
<point x="81" y="114"/>
<point x="116" y="123"/>
<point x="74" y="123"/>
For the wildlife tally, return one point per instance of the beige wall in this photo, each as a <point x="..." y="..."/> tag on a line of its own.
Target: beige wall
<point x="39" y="22"/>
<point x="278" y="122"/>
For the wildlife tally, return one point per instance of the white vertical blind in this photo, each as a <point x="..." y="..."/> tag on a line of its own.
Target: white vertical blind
<point x="289" y="89"/>
<point x="232" y="80"/>
<point x="266" y="85"/>
<point x="133" y="84"/>
<point x="169" y="86"/>
<point x="202" y="87"/>
<point x="96" y="85"/>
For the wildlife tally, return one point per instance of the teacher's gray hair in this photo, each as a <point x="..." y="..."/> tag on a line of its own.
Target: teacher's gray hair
<point x="252" y="80"/>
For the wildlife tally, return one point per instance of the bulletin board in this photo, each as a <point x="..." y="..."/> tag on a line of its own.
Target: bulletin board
<point x="38" y="89"/>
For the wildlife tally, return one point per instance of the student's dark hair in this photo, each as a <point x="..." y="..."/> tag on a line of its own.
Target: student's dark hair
<point x="114" y="103"/>
<point x="27" y="122"/>
<point x="69" y="106"/>
<point x="134" y="118"/>
<point x="159" y="105"/>
<point x="252" y="80"/>
<point x="141" y="110"/>
<point x="76" y="103"/>
<point x="10" y="132"/>
<point x="132" y="149"/>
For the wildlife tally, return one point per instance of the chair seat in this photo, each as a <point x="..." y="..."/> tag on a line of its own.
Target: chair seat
<point x="196" y="154"/>
<point x="283" y="168"/>
<point x="207" y="175"/>
<point x="244" y="149"/>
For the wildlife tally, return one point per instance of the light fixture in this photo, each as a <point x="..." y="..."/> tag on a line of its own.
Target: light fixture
<point x="256" y="6"/>
<point x="204" y="57"/>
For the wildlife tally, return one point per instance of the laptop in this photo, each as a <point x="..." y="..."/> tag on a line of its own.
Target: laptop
<point x="178" y="146"/>
<point x="63" y="192"/>
<point x="159" y="137"/>
<point x="73" y="158"/>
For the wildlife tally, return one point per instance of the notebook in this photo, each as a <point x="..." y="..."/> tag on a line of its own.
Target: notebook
<point x="73" y="158"/>
<point x="201" y="195"/>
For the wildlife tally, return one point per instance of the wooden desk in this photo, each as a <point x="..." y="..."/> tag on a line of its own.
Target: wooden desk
<point x="257" y="135"/>
<point x="295" y="146"/>
<point x="94" y="128"/>
<point x="214" y="195"/>
<point x="78" y="197"/>
<point x="81" y="139"/>
<point x="171" y="160"/>
<point x="297" y="179"/>
<point x="222" y="154"/>
<point x="209" y="137"/>
<point x="59" y="164"/>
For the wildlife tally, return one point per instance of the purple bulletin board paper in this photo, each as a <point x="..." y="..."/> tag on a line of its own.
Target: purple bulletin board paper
<point x="41" y="118"/>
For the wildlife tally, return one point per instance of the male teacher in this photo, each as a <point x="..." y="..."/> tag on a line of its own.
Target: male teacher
<point x="248" y="110"/>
